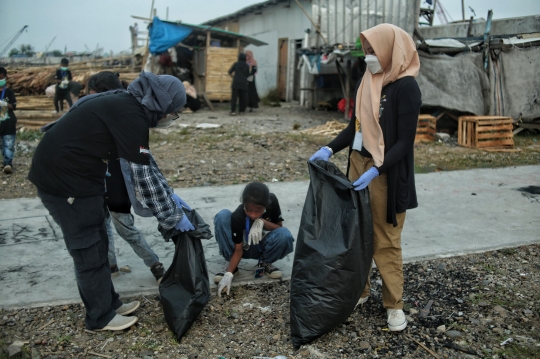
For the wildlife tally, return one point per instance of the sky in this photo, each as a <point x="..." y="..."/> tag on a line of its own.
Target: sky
<point x="105" y="23"/>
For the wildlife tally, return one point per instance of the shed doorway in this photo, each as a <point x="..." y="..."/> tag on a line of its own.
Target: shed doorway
<point x="283" y="46"/>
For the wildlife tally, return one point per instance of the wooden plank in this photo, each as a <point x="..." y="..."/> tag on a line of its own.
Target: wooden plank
<point x="501" y="149"/>
<point x="495" y="143"/>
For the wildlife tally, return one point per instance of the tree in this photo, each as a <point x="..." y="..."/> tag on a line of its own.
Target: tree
<point x="57" y="53"/>
<point x="13" y="52"/>
<point x="27" y="50"/>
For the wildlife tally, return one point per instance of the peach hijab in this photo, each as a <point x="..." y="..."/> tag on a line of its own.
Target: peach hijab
<point x="398" y="57"/>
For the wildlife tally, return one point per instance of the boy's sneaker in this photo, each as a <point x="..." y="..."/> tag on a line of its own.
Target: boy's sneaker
<point x="219" y="276"/>
<point x="158" y="271"/>
<point x="119" y="322"/>
<point x="271" y="271"/>
<point x="8" y="170"/>
<point x="396" y="320"/>
<point x="128" y="308"/>
<point x="114" y="271"/>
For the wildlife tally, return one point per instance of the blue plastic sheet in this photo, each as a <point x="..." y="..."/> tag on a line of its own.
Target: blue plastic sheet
<point x="164" y="35"/>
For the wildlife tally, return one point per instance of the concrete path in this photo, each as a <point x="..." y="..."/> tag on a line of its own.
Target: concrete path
<point x="459" y="212"/>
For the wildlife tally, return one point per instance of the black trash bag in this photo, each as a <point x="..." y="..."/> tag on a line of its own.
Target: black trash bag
<point x="185" y="288"/>
<point x="333" y="253"/>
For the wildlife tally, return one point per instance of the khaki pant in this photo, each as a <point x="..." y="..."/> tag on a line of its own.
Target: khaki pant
<point x="386" y="239"/>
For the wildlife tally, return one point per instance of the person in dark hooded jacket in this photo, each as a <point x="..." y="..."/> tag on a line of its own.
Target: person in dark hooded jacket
<point x="239" y="71"/>
<point x="69" y="169"/>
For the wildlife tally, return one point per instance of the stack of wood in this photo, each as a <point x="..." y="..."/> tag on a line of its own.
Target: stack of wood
<point x="330" y="128"/>
<point x="34" y="80"/>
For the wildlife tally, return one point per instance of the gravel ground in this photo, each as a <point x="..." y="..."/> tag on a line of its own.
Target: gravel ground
<point x="484" y="304"/>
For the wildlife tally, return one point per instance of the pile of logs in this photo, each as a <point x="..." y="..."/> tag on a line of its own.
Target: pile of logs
<point x="34" y="109"/>
<point x="331" y="128"/>
<point x="34" y="80"/>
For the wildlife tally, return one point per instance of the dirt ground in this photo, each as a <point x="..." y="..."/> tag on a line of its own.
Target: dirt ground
<point x="484" y="306"/>
<point x="265" y="145"/>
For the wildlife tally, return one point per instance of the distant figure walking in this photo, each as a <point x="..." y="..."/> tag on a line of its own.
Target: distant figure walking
<point x="62" y="92"/>
<point x="239" y="71"/>
<point x="253" y="96"/>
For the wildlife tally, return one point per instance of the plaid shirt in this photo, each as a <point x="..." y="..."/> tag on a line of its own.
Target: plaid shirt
<point x="153" y="190"/>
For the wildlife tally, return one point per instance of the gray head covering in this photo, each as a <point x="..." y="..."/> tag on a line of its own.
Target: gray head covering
<point x="159" y="95"/>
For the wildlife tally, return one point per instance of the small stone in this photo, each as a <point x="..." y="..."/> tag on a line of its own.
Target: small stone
<point x="276" y="337"/>
<point x="453" y="334"/>
<point x="500" y="310"/>
<point x="485" y="282"/>
<point x="413" y="311"/>
<point x="409" y="319"/>
<point x="441" y="266"/>
<point x="14" y="351"/>
<point x="304" y="352"/>
<point x="441" y="328"/>
<point x="142" y="334"/>
<point x="364" y="345"/>
<point x="483" y="303"/>
<point x="497" y="330"/>
<point x="36" y="354"/>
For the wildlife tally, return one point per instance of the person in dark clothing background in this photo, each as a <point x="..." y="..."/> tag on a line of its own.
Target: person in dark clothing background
<point x="382" y="155"/>
<point x="8" y="122"/>
<point x="253" y="96"/>
<point x="62" y="92"/>
<point x="239" y="71"/>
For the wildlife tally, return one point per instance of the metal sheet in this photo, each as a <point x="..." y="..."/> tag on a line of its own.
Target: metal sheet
<point x="341" y="21"/>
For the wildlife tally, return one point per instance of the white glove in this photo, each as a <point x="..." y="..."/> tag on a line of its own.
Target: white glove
<point x="255" y="233"/>
<point x="225" y="282"/>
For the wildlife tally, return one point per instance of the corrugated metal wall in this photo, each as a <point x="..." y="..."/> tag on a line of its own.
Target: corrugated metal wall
<point x="341" y="21"/>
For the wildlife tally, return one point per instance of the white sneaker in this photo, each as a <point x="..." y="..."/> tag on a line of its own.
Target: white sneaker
<point x="128" y="308"/>
<point x="396" y="320"/>
<point x="361" y="301"/>
<point x="119" y="322"/>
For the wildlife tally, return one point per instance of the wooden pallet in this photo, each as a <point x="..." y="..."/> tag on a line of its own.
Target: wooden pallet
<point x="426" y="128"/>
<point x="485" y="132"/>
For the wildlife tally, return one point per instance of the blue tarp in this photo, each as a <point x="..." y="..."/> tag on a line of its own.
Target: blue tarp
<point x="164" y="35"/>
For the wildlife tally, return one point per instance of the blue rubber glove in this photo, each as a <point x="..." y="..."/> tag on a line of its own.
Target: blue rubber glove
<point x="364" y="179"/>
<point x="179" y="201"/>
<point x="322" y="154"/>
<point x="184" y="225"/>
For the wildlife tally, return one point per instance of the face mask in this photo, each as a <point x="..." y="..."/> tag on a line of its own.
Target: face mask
<point x="63" y="68"/>
<point x="373" y="64"/>
<point x="3" y="83"/>
<point x="167" y="120"/>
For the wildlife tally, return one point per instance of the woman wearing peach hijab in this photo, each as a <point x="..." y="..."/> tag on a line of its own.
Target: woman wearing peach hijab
<point x="381" y="157"/>
<point x="253" y="96"/>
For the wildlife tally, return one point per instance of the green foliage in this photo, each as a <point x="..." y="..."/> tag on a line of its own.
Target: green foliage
<point x="13" y="52"/>
<point x="29" y="135"/>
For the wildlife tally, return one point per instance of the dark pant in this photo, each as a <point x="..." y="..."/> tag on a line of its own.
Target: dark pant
<point x="83" y="225"/>
<point x="239" y="95"/>
<point x="60" y="96"/>
<point x="193" y="103"/>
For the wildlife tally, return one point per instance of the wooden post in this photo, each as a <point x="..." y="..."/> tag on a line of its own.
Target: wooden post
<point x="238" y="45"/>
